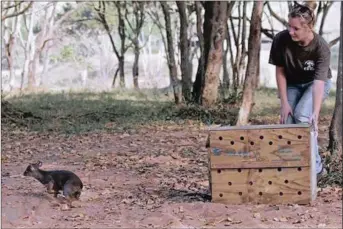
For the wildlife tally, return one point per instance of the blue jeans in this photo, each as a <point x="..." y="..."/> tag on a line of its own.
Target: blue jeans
<point x="300" y="99"/>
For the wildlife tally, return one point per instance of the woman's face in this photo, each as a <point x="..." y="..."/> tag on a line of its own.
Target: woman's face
<point x="298" y="30"/>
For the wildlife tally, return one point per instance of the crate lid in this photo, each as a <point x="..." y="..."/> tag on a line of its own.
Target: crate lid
<point x="254" y="127"/>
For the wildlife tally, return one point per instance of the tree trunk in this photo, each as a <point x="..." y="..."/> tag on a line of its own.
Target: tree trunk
<point x="33" y="65"/>
<point x="238" y="57"/>
<point x="31" y="76"/>
<point x="254" y="44"/>
<point x="256" y="82"/>
<point x="226" y="78"/>
<point x="29" y="50"/>
<point x="114" y="78"/>
<point x="9" y="57"/>
<point x="135" y="68"/>
<point x="121" y="72"/>
<point x="326" y="8"/>
<point x="335" y="133"/>
<point x="46" y="57"/>
<point x="121" y="30"/>
<point x="171" y="54"/>
<point x="232" y="64"/>
<point x="217" y="13"/>
<point x="10" y="47"/>
<point x="39" y="44"/>
<point x="185" y="65"/>
<point x="122" y="35"/>
<point x="199" y="78"/>
<point x="138" y="8"/>
<point x="242" y="62"/>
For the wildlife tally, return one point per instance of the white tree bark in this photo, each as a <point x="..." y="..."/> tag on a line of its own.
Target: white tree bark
<point x="29" y="46"/>
<point x="49" y="23"/>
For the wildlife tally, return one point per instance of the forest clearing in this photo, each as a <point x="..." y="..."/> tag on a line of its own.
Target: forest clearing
<point x="123" y="94"/>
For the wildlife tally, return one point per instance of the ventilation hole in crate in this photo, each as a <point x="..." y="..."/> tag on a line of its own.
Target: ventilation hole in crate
<point x="270" y="143"/>
<point x="220" y="138"/>
<point x="221" y="195"/>
<point x="279" y="169"/>
<point x="239" y="170"/>
<point x="229" y="183"/>
<point x="270" y="182"/>
<point x="288" y="142"/>
<point x="250" y="183"/>
<point x="242" y="138"/>
<point x="261" y="137"/>
<point x="286" y="181"/>
<point x="281" y="193"/>
<point x="299" y="193"/>
<point x="299" y="136"/>
<point x="219" y="171"/>
<point x="240" y="193"/>
<point x="232" y="142"/>
<point x="280" y="136"/>
<point x="252" y="143"/>
<point x="260" y="193"/>
<point x="260" y="170"/>
<point x="299" y="169"/>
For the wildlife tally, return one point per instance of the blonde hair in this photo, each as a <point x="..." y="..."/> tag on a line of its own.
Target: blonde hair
<point x="304" y="11"/>
<point x="311" y="4"/>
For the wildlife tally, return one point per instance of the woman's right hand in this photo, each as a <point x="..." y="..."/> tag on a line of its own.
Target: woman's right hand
<point x="286" y="110"/>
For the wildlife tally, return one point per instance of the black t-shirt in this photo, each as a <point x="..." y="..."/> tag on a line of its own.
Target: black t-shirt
<point x="301" y="64"/>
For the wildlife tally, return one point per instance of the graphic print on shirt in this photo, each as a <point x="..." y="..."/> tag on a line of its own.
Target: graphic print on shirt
<point x="309" y="65"/>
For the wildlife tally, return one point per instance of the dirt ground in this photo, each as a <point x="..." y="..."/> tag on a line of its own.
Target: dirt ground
<point x="151" y="177"/>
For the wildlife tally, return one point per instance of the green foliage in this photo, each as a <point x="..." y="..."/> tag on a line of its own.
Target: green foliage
<point x="66" y="54"/>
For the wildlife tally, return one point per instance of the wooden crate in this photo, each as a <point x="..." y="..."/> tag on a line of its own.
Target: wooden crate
<point x="269" y="164"/>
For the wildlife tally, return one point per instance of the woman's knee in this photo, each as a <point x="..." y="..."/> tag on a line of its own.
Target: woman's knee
<point x="301" y="117"/>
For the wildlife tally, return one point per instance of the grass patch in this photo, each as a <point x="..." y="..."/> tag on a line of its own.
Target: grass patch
<point x="78" y="112"/>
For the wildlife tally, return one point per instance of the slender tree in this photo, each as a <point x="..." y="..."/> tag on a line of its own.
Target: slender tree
<point x="171" y="54"/>
<point x="254" y="44"/>
<point x="335" y="133"/>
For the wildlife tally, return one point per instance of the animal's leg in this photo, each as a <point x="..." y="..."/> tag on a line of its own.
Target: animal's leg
<point x="50" y="187"/>
<point x="69" y="192"/>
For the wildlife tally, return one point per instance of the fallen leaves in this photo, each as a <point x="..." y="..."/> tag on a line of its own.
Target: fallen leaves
<point x="257" y="215"/>
<point x="135" y="172"/>
<point x="283" y="219"/>
<point x="230" y="221"/>
<point x="64" y="207"/>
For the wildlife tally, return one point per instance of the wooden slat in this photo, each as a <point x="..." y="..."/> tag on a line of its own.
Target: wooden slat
<point x="223" y="140"/>
<point x="228" y="150"/>
<point x="259" y="127"/>
<point x="298" y="181"/>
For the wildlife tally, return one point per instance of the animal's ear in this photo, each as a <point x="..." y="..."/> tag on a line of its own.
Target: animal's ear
<point x="39" y="164"/>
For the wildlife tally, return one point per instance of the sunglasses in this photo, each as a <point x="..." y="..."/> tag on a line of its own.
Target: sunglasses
<point x="303" y="11"/>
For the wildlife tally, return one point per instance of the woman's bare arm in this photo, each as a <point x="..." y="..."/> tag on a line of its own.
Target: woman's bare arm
<point x="281" y="84"/>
